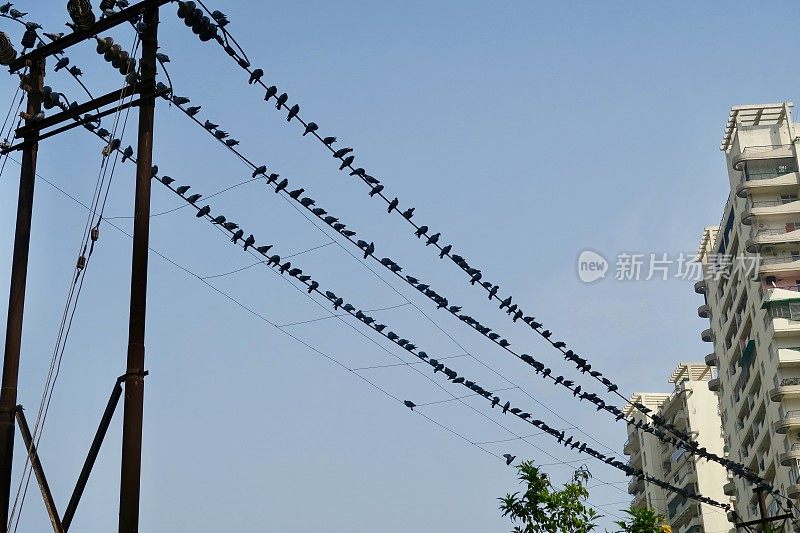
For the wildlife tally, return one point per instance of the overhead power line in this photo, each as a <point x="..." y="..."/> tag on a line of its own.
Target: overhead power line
<point x="275" y="263"/>
<point x="684" y="440"/>
<point x="318" y="351"/>
<point x="346" y="158"/>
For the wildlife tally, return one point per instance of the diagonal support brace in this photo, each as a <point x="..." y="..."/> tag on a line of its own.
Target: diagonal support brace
<point x="91" y="457"/>
<point x="33" y="455"/>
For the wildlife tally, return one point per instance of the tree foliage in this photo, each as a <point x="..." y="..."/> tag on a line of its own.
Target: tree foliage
<point x="543" y="509"/>
<point x="643" y="520"/>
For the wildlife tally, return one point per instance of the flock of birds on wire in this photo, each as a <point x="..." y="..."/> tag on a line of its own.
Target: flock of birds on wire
<point x="347" y="158"/>
<point x="338" y="302"/>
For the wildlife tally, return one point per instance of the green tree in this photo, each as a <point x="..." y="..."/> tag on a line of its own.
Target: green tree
<point x="543" y="509"/>
<point x="643" y="520"/>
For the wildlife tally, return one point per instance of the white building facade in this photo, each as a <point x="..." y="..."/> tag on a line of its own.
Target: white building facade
<point x="754" y="306"/>
<point x="692" y="408"/>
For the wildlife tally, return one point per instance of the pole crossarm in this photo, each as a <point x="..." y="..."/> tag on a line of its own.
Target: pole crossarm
<point x="75" y="114"/>
<point x="76" y="37"/>
<point x="77" y="111"/>
<point x="762" y="520"/>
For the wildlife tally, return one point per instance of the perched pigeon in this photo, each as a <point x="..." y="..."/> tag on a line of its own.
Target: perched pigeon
<point x="256" y="76"/>
<point x="61" y="63"/>
<point x="281" y="101"/>
<point x="127" y="154"/>
<point x="340" y="153"/>
<point x="346" y="162"/>
<point x="311" y="127"/>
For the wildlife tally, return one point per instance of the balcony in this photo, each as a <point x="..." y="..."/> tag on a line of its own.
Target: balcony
<point x="635" y="485"/>
<point x="791" y="457"/>
<point x="766" y="209"/>
<point x="788" y="357"/>
<point x="713" y="385"/>
<point x="711" y="359"/>
<point x="775" y="183"/>
<point x="785" y="327"/>
<point x="729" y="488"/>
<point x="779" y="263"/>
<point x="788" y="388"/>
<point x="704" y="311"/>
<point x="693" y="526"/>
<point x="793" y="491"/>
<point x="762" y="153"/>
<point x="790" y="420"/>
<point x="631" y="445"/>
<point x="636" y="460"/>
<point x="700" y="287"/>
<point x="639" y="500"/>
<point x="759" y="238"/>
<point x="707" y="335"/>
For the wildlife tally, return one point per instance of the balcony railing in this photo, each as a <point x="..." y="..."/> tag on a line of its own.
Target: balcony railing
<point x="764" y="232"/>
<point x="763" y="203"/>
<point x="788" y="382"/>
<point x="782" y="151"/>
<point x="755" y="176"/>
<point x="785" y="286"/>
<point x="777" y="260"/>
<point x="763" y="148"/>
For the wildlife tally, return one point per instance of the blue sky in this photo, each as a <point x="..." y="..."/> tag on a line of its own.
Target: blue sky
<point x="524" y="132"/>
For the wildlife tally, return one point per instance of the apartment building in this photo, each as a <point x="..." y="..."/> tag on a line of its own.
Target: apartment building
<point x="751" y="296"/>
<point x="693" y="408"/>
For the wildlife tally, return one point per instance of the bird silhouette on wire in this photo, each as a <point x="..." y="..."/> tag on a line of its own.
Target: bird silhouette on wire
<point x="255" y="76"/>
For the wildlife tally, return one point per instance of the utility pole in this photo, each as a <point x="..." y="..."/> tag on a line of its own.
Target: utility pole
<point x="134" y="377"/>
<point x="765" y="519"/>
<point x="16" y="297"/>
<point x="762" y="508"/>
<point x="37" y="128"/>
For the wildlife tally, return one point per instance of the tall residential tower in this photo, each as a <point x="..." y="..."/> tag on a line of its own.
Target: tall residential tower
<point x="754" y="307"/>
